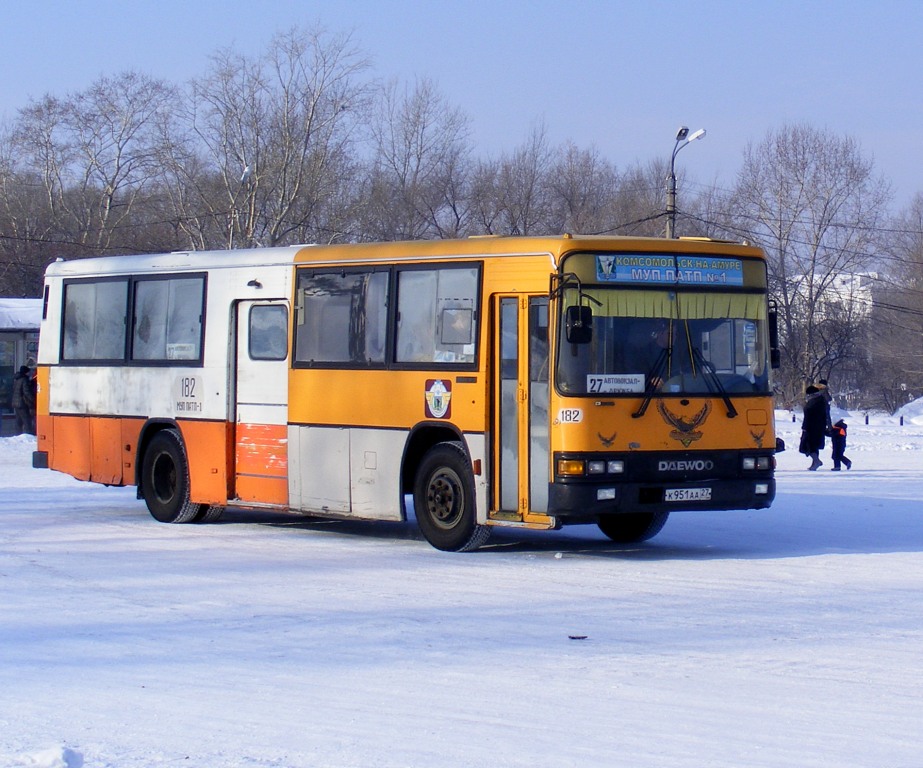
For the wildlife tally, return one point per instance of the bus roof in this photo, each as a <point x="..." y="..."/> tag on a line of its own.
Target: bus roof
<point x="554" y="246"/>
<point x="482" y="246"/>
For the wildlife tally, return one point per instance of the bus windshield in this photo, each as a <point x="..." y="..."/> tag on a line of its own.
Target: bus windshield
<point x="669" y="340"/>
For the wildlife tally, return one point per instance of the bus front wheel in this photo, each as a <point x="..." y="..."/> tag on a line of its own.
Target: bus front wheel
<point x="443" y="500"/>
<point x="165" y="479"/>
<point x="632" y="527"/>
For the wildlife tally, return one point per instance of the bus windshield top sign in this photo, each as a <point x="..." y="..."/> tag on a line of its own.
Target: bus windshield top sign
<point x="667" y="268"/>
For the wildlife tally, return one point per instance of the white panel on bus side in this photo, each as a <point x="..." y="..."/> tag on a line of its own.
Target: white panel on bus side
<point x="263" y="413"/>
<point x="319" y="469"/>
<point x="477" y="448"/>
<point x="321" y="463"/>
<point x="375" y="458"/>
<point x="177" y="392"/>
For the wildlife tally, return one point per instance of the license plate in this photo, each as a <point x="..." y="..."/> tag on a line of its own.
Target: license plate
<point x="687" y="494"/>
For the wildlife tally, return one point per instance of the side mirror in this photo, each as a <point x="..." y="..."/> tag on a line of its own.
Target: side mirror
<point x="578" y="324"/>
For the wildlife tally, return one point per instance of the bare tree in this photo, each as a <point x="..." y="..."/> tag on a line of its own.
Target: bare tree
<point x="639" y="208"/>
<point x="584" y="188"/>
<point x="95" y="152"/>
<point x="26" y="229"/>
<point x="417" y="178"/>
<point x="894" y="373"/>
<point x="277" y="134"/>
<point x="510" y="196"/>
<point x="812" y="201"/>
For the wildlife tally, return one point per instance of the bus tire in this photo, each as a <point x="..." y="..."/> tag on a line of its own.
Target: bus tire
<point x="443" y="500"/>
<point x="165" y="479"/>
<point x="208" y="513"/>
<point x="632" y="527"/>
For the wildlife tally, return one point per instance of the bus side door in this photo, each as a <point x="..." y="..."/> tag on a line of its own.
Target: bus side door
<point x="261" y="403"/>
<point x="520" y="425"/>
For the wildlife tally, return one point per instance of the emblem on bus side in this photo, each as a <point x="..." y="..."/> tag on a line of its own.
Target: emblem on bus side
<point x="438" y="399"/>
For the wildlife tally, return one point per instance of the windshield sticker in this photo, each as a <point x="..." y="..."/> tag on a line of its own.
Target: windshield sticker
<point x="659" y="268"/>
<point x="612" y="383"/>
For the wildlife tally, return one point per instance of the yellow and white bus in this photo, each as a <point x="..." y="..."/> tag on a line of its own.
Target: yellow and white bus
<point x="530" y="382"/>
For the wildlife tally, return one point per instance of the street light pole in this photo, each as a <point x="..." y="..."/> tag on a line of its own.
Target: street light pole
<point x="683" y="137"/>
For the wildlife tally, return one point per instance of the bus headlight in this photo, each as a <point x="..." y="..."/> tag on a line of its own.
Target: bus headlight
<point x="761" y="463"/>
<point x="590" y="467"/>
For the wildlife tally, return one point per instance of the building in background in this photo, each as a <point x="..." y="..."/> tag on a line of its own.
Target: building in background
<point x="19" y="325"/>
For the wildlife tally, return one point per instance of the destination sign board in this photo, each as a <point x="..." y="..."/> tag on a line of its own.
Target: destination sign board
<point x="667" y="268"/>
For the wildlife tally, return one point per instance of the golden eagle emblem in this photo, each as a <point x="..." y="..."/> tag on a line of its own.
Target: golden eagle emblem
<point x="685" y="430"/>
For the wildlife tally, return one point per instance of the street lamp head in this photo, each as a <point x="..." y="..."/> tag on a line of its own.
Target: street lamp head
<point x="696" y="135"/>
<point x="682" y="133"/>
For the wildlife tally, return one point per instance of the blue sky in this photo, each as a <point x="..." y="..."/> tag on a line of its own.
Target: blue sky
<point x="620" y="76"/>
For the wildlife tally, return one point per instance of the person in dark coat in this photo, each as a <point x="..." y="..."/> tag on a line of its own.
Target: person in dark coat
<point x="825" y="391"/>
<point x="838" y="442"/>
<point x="814" y="425"/>
<point x="24" y="401"/>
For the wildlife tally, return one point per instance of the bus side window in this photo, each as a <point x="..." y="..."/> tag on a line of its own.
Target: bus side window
<point x="268" y="332"/>
<point x="436" y="318"/>
<point x="342" y="317"/>
<point x="95" y="319"/>
<point x="168" y="318"/>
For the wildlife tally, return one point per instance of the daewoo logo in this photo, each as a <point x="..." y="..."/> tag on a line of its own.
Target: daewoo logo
<point x="698" y="465"/>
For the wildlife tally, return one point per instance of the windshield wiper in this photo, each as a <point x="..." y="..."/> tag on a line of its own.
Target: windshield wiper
<point x="654" y="380"/>
<point x="711" y="377"/>
<point x="708" y="372"/>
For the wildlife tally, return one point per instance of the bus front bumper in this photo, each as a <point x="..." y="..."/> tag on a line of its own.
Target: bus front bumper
<point x="574" y="501"/>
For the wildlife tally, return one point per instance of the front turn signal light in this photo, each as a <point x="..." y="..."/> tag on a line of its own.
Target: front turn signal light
<point x="570" y="467"/>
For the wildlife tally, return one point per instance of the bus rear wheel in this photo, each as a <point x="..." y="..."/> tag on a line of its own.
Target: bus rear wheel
<point x="632" y="527"/>
<point x="208" y="514"/>
<point x="165" y="479"/>
<point x="443" y="500"/>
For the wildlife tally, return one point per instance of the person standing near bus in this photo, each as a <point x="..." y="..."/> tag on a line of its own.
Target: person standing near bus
<point x="814" y="425"/>
<point x="24" y="401"/>
<point x="825" y="391"/>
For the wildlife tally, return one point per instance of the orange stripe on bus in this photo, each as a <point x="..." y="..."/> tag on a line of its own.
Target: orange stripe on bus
<point x="265" y="490"/>
<point x="106" y="451"/>
<point x="93" y="448"/>
<point x="208" y="451"/>
<point x="70" y="446"/>
<point x="262" y="449"/>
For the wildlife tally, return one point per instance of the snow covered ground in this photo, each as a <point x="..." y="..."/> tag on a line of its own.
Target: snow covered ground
<point x="786" y="637"/>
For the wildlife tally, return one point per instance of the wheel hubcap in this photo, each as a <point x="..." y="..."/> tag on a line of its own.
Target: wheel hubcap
<point x="164" y="477"/>
<point x="444" y="499"/>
